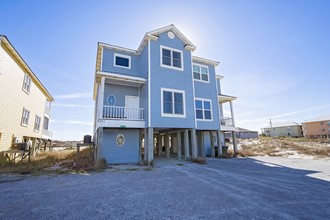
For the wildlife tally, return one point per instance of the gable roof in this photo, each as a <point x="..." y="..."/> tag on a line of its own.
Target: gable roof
<point x="27" y="69"/>
<point x="319" y="118"/>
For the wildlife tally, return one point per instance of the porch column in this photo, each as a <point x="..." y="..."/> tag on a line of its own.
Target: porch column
<point x="150" y="146"/>
<point x="159" y="144"/>
<point x="219" y="143"/>
<point x="178" y="143"/>
<point x="193" y="142"/>
<point x="234" y="142"/>
<point x="145" y="155"/>
<point x="99" y="143"/>
<point x="167" y="145"/>
<point x="186" y="144"/>
<point x="140" y="146"/>
<point x="202" y="144"/>
<point x="232" y="113"/>
<point x="212" y="144"/>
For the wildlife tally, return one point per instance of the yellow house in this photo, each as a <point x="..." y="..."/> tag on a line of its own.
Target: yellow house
<point x="24" y="102"/>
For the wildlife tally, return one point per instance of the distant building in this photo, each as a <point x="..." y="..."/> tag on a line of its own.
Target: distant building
<point x="285" y="129"/>
<point x="245" y="133"/>
<point x="24" y="101"/>
<point x="318" y="127"/>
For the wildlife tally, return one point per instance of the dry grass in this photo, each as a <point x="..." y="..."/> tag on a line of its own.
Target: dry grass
<point x="51" y="162"/>
<point x="285" y="147"/>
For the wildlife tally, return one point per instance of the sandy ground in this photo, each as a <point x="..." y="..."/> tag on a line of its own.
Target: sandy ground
<point x="244" y="188"/>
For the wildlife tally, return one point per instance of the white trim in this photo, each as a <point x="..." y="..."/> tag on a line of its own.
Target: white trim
<point x="206" y="61"/>
<point x="183" y="99"/>
<point x="203" y="99"/>
<point x="115" y="55"/>
<point x="171" y="66"/>
<point x="35" y="120"/>
<point x="118" y="48"/>
<point x="193" y="85"/>
<point x="28" y="118"/>
<point x="101" y="62"/>
<point x="200" y="66"/>
<point x="149" y="86"/>
<point x="29" y="84"/>
<point x="123" y="77"/>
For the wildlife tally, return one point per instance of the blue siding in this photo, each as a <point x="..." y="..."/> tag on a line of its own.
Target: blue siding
<point x="107" y="63"/>
<point x="143" y="63"/>
<point x="128" y="153"/>
<point x="119" y="92"/>
<point x="219" y="86"/>
<point x="208" y="91"/>
<point x="173" y="79"/>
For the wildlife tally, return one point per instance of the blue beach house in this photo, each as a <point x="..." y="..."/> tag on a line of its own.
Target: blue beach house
<point x="158" y="101"/>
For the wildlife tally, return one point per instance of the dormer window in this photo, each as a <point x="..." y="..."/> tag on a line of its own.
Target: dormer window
<point x="171" y="58"/>
<point x="123" y="61"/>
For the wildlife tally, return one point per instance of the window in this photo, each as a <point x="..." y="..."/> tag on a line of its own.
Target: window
<point x="328" y="123"/>
<point x="120" y="140"/>
<point x="27" y="83"/>
<point x="122" y="61"/>
<point x="46" y="122"/>
<point x="201" y="73"/>
<point x="171" y="58"/>
<point x="321" y="123"/>
<point x="25" y="117"/>
<point x="37" y="123"/>
<point x="111" y="100"/>
<point x="173" y="103"/>
<point x="203" y="109"/>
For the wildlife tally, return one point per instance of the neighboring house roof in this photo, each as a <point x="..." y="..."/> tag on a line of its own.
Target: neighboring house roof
<point x="319" y="118"/>
<point x="4" y="40"/>
<point x="238" y="129"/>
<point x="283" y="124"/>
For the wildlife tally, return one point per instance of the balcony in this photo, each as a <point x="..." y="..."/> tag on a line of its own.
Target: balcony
<point x="116" y="116"/>
<point x="227" y="124"/>
<point x="47" y="134"/>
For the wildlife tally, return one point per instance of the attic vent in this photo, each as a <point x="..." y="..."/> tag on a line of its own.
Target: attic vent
<point x="171" y="35"/>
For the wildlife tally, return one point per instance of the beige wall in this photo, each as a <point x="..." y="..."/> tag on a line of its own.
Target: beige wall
<point x="316" y="128"/>
<point x="13" y="99"/>
<point x="295" y="131"/>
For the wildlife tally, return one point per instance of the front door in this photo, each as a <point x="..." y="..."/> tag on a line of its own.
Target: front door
<point x="132" y="111"/>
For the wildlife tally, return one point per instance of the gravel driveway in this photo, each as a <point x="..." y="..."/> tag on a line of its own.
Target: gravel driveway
<point x="252" y="188"/>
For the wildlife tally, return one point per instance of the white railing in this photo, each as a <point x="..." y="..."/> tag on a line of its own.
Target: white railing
<point x="47" y="133"/>
<point x="122" y="113"/>
<point x="226" y="121"/>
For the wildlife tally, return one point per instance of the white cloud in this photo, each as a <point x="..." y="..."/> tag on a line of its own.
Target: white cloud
<point x="74" y="96"/>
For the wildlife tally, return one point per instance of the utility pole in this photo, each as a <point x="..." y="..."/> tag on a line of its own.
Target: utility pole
<point x="271" y="127"/>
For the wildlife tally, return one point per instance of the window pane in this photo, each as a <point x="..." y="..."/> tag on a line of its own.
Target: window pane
<point x="177" y="63"/>
<point x="177" y="59"/>
<point x="199" y="114"/>
<point x="196" y="68"/>
<point x="205" y="77"/>
<point x="167" y="61"/>
<point x="167" y="107"/>
<point x="121" y="61"/>
<point x="198" y="104"/>
<point x="178" y="97"/>
<point x="167" y="96"/>
<point x="176" y="55"/>
<point x="207" y="114"/>
<point x="204" y="69"/>
<point x="166" y="53"/>
<point x="197" y="75"/>
<point x="207" y="105"/>
<point x="178" y="108"/>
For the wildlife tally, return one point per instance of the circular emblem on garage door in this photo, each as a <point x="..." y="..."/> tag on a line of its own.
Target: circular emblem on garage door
<point x="120" y="140"/>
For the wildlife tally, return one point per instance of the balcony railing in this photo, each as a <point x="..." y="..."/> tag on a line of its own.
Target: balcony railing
<point x="226" y="121"/>
<point x="122" y="113"/>
<point x="46" y="133"/>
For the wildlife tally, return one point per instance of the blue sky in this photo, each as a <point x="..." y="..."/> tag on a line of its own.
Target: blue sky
<point x="274" y="55"/>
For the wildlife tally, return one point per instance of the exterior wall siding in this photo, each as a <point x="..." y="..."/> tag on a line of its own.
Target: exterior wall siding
<point x="172" y="79"/>
<point x="128" y="153"/>
<point x="119" y="92"/>
<point x="316" y="128"/>
<point x="108" y="63"/>
<point x="13" y="99"/>
<point x="295" y="131"/>
<point x="208" y="91"/>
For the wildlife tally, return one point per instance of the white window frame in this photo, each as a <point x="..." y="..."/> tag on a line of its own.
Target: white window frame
<point x="25" y="120"/>
<point x="171" y="66"/>
<point x="173" y="115"/>
<point x="115" y="55"/>
<point x="202" y="99"/>
<point x="27" y="83"/>
<point x="200" y="74"/>
<point x="37" y="129"/>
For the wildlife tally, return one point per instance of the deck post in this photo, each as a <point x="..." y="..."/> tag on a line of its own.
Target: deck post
<point x="145" y="152"/>
<point x="194" y="143"/>
<point x="150" y="146"/>
<point x="178" y="144"/>
<point x="219" y="143"/>
<point x="212" y="144"/>
<point x="159" y="144"/>
<point x="167" y="145"/>
<point x="186" y="145"/>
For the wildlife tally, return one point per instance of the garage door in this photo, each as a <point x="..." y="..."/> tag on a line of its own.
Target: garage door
<point x="121" y="146"/>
